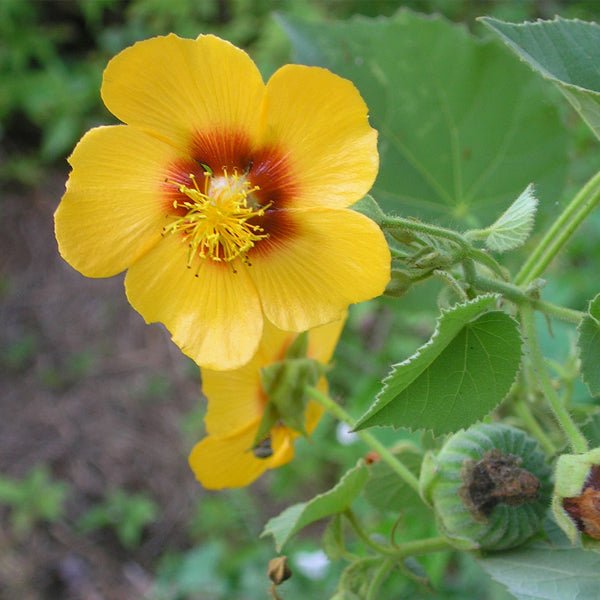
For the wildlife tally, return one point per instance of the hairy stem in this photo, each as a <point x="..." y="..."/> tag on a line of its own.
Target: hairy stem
<point x="518" y="296"/>
<point x="562" y="415"/>
<point x="432" y="230"/>
<point x="523" y="410"/>
<point x="379" y="577"/>
<point x="399" y="551"/>
<point x="563" y="228"/>
<point x="365" y="537"/>
<point x="384" y="453"/>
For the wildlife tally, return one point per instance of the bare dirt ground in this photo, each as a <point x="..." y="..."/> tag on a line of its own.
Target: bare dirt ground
<point x="98" y="397"/>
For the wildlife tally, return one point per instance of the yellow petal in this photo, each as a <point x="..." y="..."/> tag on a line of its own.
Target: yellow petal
<point x="175" y="88"/>
<point x="222" y="462"/>
<point x="331" y="258"/>
<point x="236" y="397"/>
<point x="114" y="206"/>
<point x="323" y="340"/>
<point x="215" y="318"/>
<point x="319" y="120"/>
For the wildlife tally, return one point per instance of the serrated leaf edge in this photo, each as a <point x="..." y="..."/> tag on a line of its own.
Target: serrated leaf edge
<point x="302" y="506"/>
<point x="588" y="315"/>
<point x="526" y="204"/>
<point x="533" y="63"/>
<point x="432" y="340"/>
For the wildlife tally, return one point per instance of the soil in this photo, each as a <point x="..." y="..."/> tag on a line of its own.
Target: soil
<point x="91" y="391"/>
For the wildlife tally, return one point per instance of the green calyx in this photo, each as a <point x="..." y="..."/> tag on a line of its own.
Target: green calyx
<point x="489" y="486"/>
<point x="284" y="384"/>
<point x="577" y="495"/>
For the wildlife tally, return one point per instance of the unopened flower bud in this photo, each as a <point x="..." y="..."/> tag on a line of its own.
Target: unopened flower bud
<point x="576" y="500"/>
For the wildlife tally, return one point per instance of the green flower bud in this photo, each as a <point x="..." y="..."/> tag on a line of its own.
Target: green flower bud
<point x="399" y="284"/>
<point x="576" y="499"/>
<point x="489" y="486"/>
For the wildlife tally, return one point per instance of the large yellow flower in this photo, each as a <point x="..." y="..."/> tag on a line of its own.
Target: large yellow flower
<point x="225" y="198"/>
<point x="236" y="404"/>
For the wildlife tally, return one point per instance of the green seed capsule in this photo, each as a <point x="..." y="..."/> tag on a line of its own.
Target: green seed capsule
<point x="490" y="487"/>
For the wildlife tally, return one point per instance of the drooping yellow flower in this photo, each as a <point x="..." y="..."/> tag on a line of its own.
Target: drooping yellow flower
<point x="225" y="198"/>
<point x="236" y="404"/>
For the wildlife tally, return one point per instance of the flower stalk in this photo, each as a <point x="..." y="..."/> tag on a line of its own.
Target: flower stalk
<point x="399" y="551"/>
<point x="523" y="411"/>
<point x="518" y="296"/>
<point x="561" y="231"/>
<point x="562" y="415"/>
<point x="384" y="453"/>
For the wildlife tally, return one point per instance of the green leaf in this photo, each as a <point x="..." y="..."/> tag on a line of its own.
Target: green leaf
<point x="333" y="539"/>
<point x="387" y="492"/>
<point x="567" y="52"/>
<point x="462" y="373"/>
<point x="463" y="126"/>
<point x="355" y="579"/>
<point x="588" y="342"/>
<point x="513" y="227"/>
<point x="336" y="500"/>
<point x="591" y="430"/>
<point x="552" y="570"/>
<point x="369" y="207"/>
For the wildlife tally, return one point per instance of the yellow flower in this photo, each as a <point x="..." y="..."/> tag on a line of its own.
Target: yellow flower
<point x="236" y="404"/>
<point x="225" y="198"/>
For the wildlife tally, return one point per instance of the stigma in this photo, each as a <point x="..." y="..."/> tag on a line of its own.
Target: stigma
<point x="215" y="216"/>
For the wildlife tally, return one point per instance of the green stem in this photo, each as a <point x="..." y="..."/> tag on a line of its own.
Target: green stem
<point x="563" y="228"/>
<point x="432" y="230"/>
<point x="523" y="410"/>
<point x="518" y="296"/>
<point x="384" y="454"/>
<point x="426" y="546"/>
<point x="488" y="261"/>
<point x="447" y="234"/>
<point x="379" y="577"/>
<point x="569" y="427"/>
<point x="414" y="548"/>
<point x="365" y="537"/>
<point x="449" y="280"/>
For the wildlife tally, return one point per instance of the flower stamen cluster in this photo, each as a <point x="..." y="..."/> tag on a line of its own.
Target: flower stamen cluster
<point x="216" y="220"/>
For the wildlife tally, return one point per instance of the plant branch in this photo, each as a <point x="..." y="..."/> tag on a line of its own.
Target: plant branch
<point x="563" y="228"/>
<point x="384" y="453"/>
<point x="568" y="425"/>
<point x="379" y="577"/>
<point x="524" y="412"/>
<point x="365" y="537"/>
<point x="413" y="548"/>
<point x="518" y="296"/>
<point x="432" y="230"/>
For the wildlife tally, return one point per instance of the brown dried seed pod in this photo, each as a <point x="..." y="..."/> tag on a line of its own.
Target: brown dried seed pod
<point x="490" y="487"/>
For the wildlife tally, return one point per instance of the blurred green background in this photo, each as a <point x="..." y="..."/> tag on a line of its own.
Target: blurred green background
<point x="99" y="411"/>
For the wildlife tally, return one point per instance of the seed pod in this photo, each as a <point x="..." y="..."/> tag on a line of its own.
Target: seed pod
<point x="576" y="499"/>
<point x="279" y="570"/>
<point x="490" y="487"/>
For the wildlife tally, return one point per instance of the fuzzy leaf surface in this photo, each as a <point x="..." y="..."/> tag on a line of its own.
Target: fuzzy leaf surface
<point x="588" y="342"/>
<point x="513" y="227"/>
<point x="547" y="570"/>
<point x="387" y="492"/>
<point x="462" y="373"/>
